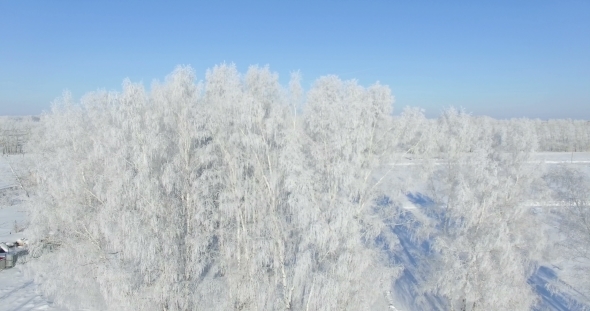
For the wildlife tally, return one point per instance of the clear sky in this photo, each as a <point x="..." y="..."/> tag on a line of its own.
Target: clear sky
<point x="498" y="58"/>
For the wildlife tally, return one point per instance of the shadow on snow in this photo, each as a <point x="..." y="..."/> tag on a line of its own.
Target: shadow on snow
<point x="414" y="255"/>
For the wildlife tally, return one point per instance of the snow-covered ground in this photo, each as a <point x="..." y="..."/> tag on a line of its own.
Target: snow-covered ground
<point x="405" y="289"/>
<point x="413" y="254"/>
<point x="579" y="158"/>
<point x="563" y="157"/>
<point x="19" y="292"/>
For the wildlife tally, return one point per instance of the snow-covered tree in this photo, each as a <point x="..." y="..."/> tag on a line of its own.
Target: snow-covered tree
<point x="413" y="133"/>
<point x="214" y="195"/>
<point x="484" y="242"/>
<point x="571" y="187"/>
<point x="345" y="138"/>
<point x="563" y="135"/>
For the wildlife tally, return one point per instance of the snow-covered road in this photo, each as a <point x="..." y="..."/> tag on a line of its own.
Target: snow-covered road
<point x="581" y="158"/>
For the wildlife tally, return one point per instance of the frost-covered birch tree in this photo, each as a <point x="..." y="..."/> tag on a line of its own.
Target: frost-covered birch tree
<point x="486" y="240"/>
<point x="213" y="195"/>
<point x="570" y="186"/>
<point x="345" y="138"/>
<point x="123" y="215"/>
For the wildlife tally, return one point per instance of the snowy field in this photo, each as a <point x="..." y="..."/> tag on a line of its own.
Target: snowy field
<point x="413" y="255"/>
<point x="549" y="158"/>
<point x="19" y="292"/>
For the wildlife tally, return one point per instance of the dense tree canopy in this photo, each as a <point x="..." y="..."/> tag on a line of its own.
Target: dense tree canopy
<point x="214" y="195"/>
<point x="235" y="193"/>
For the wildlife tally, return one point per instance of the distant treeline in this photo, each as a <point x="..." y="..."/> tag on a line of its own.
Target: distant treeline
<point x="15" y="132"/>
<point x="556" y="135"/>
<point x="563" y="135"/>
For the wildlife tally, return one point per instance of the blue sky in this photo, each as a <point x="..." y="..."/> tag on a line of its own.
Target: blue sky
<point x="498" y="58"/>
